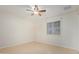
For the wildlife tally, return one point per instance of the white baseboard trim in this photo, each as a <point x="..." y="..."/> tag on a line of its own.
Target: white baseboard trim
<point x="15" y="44"/>
<point x="58" y="45"/>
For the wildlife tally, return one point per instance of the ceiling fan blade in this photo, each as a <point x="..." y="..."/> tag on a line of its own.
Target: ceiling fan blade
<point x="39" y="14"/>
<point x="42" y="10"/>
<point x="36" y="7"/>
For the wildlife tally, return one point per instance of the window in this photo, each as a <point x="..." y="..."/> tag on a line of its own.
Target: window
<point x="53" y="27"/>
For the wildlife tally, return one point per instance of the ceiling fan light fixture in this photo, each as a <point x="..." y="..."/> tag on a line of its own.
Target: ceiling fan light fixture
<point x="36" y="10"/>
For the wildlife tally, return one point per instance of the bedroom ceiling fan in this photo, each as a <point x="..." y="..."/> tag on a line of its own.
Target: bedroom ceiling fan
<point x="36" y="10"/>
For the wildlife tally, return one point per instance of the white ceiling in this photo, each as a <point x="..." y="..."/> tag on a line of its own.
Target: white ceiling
<point x="51" y="10"/>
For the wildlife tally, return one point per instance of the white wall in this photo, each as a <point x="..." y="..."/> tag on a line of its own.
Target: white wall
<point x="69" y="31"/>
<point x="14" y="30"/>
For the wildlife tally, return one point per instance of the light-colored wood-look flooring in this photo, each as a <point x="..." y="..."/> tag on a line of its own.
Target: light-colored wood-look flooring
<point x="37" y="48"/>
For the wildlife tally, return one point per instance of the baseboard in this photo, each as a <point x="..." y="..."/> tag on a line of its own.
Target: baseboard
<point x="15" y="44"/>
<point x="74" y="49"/>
